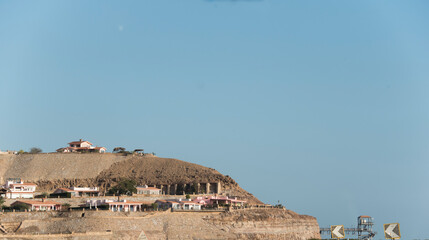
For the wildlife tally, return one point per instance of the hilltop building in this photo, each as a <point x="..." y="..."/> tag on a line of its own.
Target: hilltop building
<point x="8" y="152"/>
<point x="81" y="146"/>
<point x="17" y="188"/>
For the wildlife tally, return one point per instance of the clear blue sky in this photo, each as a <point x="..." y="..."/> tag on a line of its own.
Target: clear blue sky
<point x="322" y="105"/>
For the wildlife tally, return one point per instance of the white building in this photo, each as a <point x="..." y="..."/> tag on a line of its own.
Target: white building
<point x="148" y="190"/>
<point x="17" y="188"/>
<point x="81" y="146"/>
<point x="79" y="191"/>
<point x="86" y="191"/>
<point x="39" y="205"/>
<point x="178" y="204"/>
<point x="8" y="152"/>
<point x="115" y="206"/>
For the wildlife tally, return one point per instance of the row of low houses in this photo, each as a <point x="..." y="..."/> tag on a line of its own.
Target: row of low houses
<point x="94" y="191"/>
<point x="17" y="188"/>
<point x="195" y="204"/>
<point x="199" y="202"/>
<point x="116" y="205"/>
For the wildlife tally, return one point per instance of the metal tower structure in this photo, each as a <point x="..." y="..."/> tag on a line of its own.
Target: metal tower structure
<point x="363" y="229"/>
<point x="365" y="224"/>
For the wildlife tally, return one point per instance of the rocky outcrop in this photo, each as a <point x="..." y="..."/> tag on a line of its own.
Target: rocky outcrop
<point x="267" y="224"/>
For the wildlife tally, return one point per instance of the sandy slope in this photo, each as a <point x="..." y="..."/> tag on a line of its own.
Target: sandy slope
<point x="55" y="170"/>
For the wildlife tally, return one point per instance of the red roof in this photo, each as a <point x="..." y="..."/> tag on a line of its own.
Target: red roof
<point x="80" y="148"/>
<point x="79" y="142"/>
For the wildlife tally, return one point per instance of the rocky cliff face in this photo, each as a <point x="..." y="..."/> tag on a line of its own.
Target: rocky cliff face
<point x="243" y="224"/>
<point x="267" y="224"/>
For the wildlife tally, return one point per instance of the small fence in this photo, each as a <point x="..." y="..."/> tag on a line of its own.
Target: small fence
<point x="200" y="211"/>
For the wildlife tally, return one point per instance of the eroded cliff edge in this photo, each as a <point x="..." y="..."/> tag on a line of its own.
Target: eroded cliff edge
<point x="241" y="224"/>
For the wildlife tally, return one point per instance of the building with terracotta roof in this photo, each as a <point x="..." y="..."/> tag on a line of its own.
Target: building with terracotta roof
<point x="81" y="146"/>
<point x="17" y="188"/>
<point x="148" y="190"/>
<point x="43" y="205"/>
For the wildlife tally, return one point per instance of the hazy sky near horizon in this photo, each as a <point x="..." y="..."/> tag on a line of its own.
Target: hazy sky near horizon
<point x="322" y="105"/>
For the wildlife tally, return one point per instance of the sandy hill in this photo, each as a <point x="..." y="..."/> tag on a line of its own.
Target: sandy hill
<point x="53" y="170"/>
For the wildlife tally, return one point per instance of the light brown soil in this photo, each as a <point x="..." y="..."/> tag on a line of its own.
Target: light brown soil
<point x="54" y="170"/>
